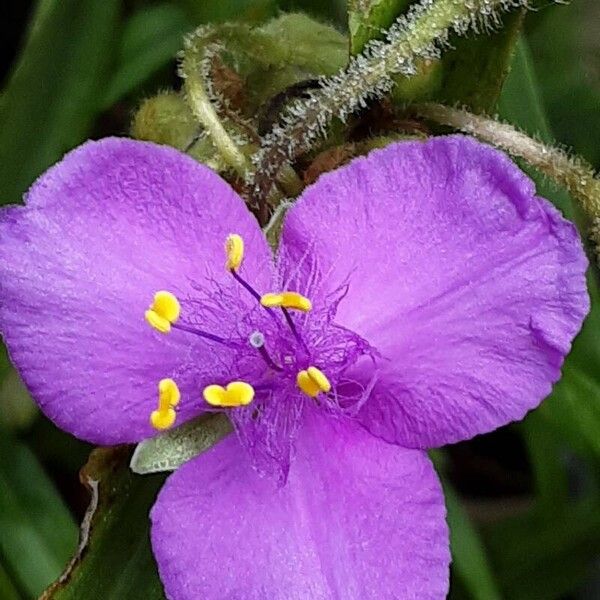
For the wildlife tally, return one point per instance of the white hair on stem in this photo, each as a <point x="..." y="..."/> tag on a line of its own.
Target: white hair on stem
<point x="419" y="34"/>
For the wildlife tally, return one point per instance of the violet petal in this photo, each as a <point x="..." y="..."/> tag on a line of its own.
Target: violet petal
<point x="357" y="519"/>
<point x="101" y="231"/>
<point x="470" y="285"/>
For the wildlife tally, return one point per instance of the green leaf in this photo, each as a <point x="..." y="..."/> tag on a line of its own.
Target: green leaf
<point x="471" y="73"/>
<point x="171" y="449"/>
<point x="332" y="11"/>
<point x="17" y="408"/>
<point x="475" y="69"/>
<point x="574" y="406"/>
<point x="546" y="558"/>
<point x="546" y="457"/>
<point x="114" y="561"/>
<point x="566" y="50"/>
<point x="573" y="409"/>
<point x="151" y="39"/>
<point x="38" y="533"/>
<point x="8" y="590"/>
<point x="469" y="557"/>
<point x="54" y="92"/>
<point x="521" y="102"/>
<point x="253" y="11"/>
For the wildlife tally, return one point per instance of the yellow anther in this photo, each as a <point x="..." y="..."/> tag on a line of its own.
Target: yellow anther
<point x="237" y="393"/>
<point x="162" y="419"/>
<point x="234" y="249"/>
<point x="168" y="398"/>
<point x="163" y="311"/>
<point x="168" y="393"/>
<point x="319" y="378"/>
<point x="287" y="300"/>
<point x="313" y="381"/>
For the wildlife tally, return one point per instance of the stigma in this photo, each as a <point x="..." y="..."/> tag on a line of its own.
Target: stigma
<point x="292" y="300"/>
<point x="236" y="393"/>
<point x="313" y="381"/>
<point x="168" y="398"/>
<point x="163" y="311"/>
<point x="234" y="250"/>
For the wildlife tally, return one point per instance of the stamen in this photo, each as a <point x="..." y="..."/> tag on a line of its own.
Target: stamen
<point x="236" y="393"/>
<point x="257" y="341"/>
<point x="234" y="249"/>
<point x="168" y="397"/>
<point x="163" y="311"/>
<point x="313" y="381"/>
<point x="252" y="292"/>
<point x="246" y="285"/>
<point x="287" y="300"/>
<point x="206" y="335"/>
<point x="292" y="325"/>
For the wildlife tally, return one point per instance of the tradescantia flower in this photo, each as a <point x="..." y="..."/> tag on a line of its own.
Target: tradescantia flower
<point x="420" y="296"/>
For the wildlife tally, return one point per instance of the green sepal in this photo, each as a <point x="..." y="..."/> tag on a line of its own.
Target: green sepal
<point x="169" y="450"/>
<point x="167" y="119"/>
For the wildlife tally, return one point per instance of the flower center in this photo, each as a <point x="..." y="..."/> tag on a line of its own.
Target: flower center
<point x="164" y="313"/>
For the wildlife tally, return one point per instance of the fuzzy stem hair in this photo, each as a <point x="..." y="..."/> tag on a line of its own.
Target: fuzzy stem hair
<point x="571" y="172"/>
<point x="418" y="35"/>
<point x="194" y="70"/>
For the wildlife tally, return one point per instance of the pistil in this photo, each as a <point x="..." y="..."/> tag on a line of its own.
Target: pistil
<point x="257" y="341"/>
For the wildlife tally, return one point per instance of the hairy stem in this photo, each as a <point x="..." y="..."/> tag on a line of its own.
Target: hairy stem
<point x="232" y="135"/>
<point x="418" y="35"/>
<point x="203" y="109"/>
<point x="571" y="172"/>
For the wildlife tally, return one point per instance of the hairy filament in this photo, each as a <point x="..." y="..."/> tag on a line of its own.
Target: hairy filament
<point x="417" y="35"/>
<point x="572" y="172"/>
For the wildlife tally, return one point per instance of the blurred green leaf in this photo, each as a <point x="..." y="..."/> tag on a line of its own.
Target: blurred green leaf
<point x="55" y="90"/>
<point x="8" y="590"/>
<point x="17" y="408"/>
<point x="574" y="406"/>
<point x="565" y="42"/>
<point x="469" y="559"/>
<point x="253" y="11"/>
<point x="114" y="561"/>
<point x="475" y="69"/>
<point x="546" y="558"/>
<point x="38" y="532"/>
<point x="5" y="366"/>
<point x="152" y="37"/>
<point x="546" y="457"/>
<point x="333" y="11"/>
<point x="521" y="103"/>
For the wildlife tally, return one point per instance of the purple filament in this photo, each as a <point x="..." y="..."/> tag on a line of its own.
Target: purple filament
<point x="205" y="334"/>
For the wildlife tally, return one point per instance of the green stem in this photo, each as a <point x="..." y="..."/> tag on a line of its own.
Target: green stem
<point x="415" y="36"/>
<point x="206" y="114"/>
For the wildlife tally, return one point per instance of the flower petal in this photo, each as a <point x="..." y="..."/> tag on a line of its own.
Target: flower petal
<point x="357" y="518"/>
<point x="470" y="286"/>
<point x="101" y="231"/>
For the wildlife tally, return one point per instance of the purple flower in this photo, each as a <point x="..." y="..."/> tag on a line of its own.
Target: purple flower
<point x="420" y="296"/>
